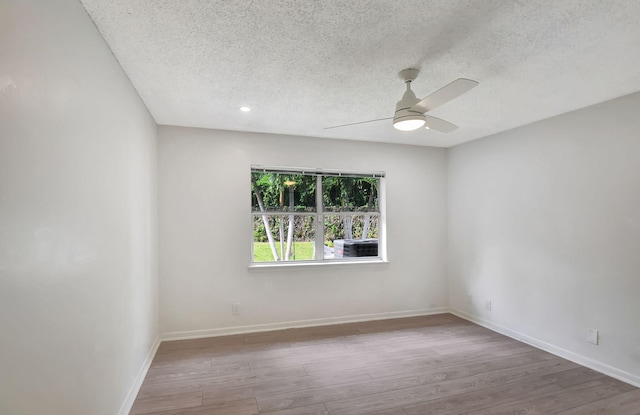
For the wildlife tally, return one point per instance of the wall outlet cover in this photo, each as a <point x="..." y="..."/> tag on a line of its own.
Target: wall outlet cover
<point x="592" y="336"/>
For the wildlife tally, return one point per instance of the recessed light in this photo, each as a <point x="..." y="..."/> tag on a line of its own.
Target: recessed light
<point x="245" y="109"/>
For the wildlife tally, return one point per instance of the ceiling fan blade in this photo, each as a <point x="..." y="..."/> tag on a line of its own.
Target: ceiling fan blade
<point x="438" y="124"/>
<point x="356" y="123"/>
<point x="444" y="94"/>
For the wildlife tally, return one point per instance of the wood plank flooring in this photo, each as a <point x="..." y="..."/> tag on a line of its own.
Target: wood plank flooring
<point x="440" y="365"/>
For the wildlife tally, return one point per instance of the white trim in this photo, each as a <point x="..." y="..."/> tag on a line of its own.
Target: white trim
<point x="382" y="220"/>
<point x="558" y="351"/>
<point x="225" y="331"/>
<point x="125" y="409"/>
<point x="317" y="171"/>
<point x="287" y="213"/>
<point x="311" y="263"/>
<point x="315" y="213"/>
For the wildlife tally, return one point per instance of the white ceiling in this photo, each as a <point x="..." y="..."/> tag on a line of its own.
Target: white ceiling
<point x="309" y="64"/>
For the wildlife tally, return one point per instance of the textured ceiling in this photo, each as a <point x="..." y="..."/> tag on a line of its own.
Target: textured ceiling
<point x="305" y="65"/>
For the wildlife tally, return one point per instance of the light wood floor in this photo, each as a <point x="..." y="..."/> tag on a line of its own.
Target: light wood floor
<point x="423" y="365"/>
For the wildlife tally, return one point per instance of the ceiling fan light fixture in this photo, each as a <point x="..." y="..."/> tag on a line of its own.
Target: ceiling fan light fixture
<point x="407" y="120"/>
<point x="409" y="123"/>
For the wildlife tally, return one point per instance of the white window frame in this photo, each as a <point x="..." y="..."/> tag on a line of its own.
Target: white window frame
<point x="319" y="215"/>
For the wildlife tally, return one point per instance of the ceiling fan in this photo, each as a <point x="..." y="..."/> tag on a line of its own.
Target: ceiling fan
<point x="411" y="112"/>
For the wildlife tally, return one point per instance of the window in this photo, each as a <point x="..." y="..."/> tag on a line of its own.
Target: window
<point x="315" y="215"/>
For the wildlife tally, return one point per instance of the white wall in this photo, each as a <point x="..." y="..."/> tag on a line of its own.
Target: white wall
<point x="205" y="235"/>
<point x="78" y="281"/>
<point x="544" y="221"/>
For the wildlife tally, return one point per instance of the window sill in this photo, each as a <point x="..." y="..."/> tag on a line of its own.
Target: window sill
<point x="310" y="264"/>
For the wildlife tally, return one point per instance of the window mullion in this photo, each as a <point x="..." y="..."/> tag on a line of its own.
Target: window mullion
<point x="319" y="240"/>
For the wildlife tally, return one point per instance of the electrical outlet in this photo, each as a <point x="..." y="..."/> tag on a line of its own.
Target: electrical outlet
<point x="235" y="309"/>
<point x="592" y="336"/>
<point x="487" y="305"/>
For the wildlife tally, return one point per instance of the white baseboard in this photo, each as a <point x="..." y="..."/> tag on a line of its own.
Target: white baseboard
<point x="225" y="331"/>
<point x="558" y="351"/>
<point x="137" y="383"/>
